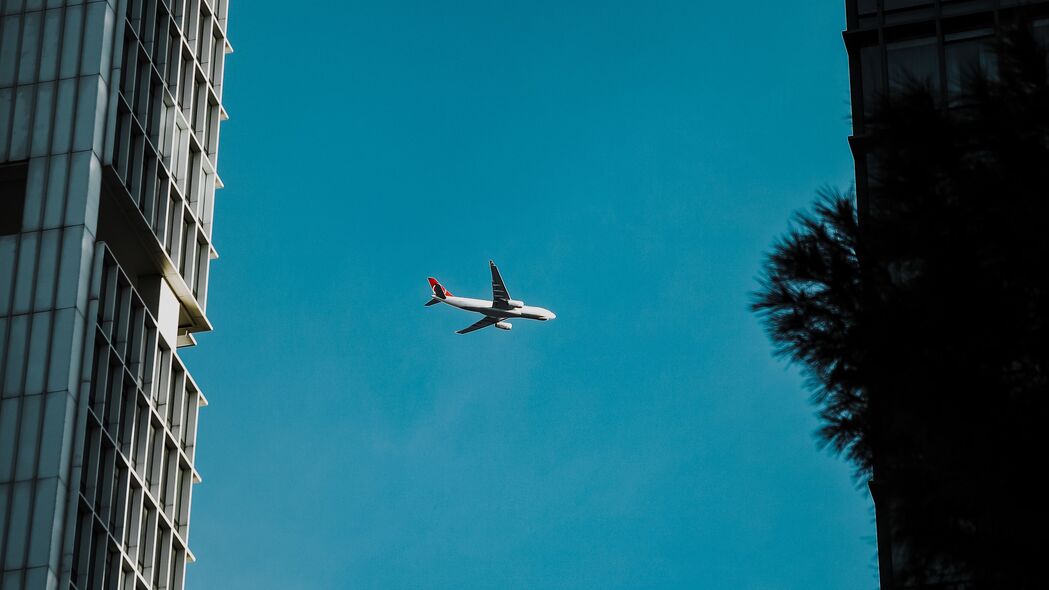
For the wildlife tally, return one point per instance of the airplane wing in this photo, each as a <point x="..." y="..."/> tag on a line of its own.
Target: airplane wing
<point x="482" y="323"/>
<point x="500" y="297"/>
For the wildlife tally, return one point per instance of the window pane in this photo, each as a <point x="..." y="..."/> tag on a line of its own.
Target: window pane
<point x="965" y="59"/>
<point x="914" y="62"/>
<point x="873" y="86"/>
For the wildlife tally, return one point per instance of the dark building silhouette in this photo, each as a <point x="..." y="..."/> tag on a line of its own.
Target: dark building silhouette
<point x="891" y="44"/>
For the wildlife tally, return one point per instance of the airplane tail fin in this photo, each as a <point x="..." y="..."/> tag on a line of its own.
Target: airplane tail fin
<point x="438" y="291"/>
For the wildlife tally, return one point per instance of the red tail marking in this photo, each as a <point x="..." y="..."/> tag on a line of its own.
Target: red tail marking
<point x="434" y="283"/>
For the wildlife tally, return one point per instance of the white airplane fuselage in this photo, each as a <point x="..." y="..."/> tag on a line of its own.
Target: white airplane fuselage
<point x="495" y="310"/>
<point x="482" y="306"/>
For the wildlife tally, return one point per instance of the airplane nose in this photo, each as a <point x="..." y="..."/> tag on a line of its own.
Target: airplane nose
<point x="550" y="315"/>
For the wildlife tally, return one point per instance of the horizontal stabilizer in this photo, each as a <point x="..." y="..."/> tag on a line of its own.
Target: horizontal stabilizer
<point x="432" y="302"/>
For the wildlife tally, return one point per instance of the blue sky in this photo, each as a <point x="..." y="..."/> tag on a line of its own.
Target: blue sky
<point x="626" y="164"/>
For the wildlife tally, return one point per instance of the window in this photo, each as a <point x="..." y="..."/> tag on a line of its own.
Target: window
<point x="147" y="30"/>
<point x="203" y="259"/>
<point x="157" y="554"/>
<point x="178" y="12"/>
<point x="134" y="12"/>
<point x="98" y="548"/>
<point x="137" y="444"/>
<point x="154" y="108"/>
<point x="187" y="409"/>
<point x="79" y="543"/>
<point x="174" y="68"/>
<point x="127" y="71"/>
<point x="202" y="19"/>
<point x="871" y="76"/>
<point x="132" y="428"/>
<point x="177" y="161"/>
<point x="122" y="140"/>
<point x="98" y="373"/>
<point x="151" y="448"/>
<point x="12" y="197"/>
<point x="172" y="398"/>
<point x="134" y="174"/>
<point x="180" y="488"/>
<point x="163" y="373"/>
<point x="160" y="35"/>
<point x="967" y="55"/>
<point x="143" y="532"/>
<point x="199" y="118"/>
<point x="189" y="99"/>
<point x="184" y="254"/>
<point x="109" y="571"/>
<point x="134" y="498"/>
<point x="160" y="210"/>
<point x="914" y="62"/>
<point x="1041" y="31"/>
<point x="115" y="513"/>
<point x="126" y="434"/>
<point x="170" y="454"/>
<point x="142" y="88"/>
<point x="185" y="84"/>
<point x="174" y="222"/>
<point x="161" y="122"/>
<point x="149" y="357"/>
<point x="91" y="446"/>
<point x="148" y="200"/>
<point x="100" y="474"/>
<point x="108" y="414"/>
<point x="218" y="49"/>
<point x="176" y="565"/>
<point x="193" y="180"/>
<point x="211" y="122"/>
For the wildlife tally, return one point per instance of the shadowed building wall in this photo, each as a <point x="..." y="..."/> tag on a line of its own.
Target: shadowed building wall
<point x="892" y="43"/>
<point x="109" y="126"/>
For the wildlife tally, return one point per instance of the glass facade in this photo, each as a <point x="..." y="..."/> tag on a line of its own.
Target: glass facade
<point x="137" y="466"/>
<point x="109" y="128"/>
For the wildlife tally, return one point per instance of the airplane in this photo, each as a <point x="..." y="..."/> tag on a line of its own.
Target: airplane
<point x="500" y="308"/>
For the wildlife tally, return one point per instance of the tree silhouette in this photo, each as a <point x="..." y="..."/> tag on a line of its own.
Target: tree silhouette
<point x="922" y="323"/>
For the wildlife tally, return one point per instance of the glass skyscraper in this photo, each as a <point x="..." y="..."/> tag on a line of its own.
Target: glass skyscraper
<point x="109" y="131"/>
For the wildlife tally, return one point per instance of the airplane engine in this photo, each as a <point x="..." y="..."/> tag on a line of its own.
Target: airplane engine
<point x="515" y="303"/>
<point x="504" y="326"/>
